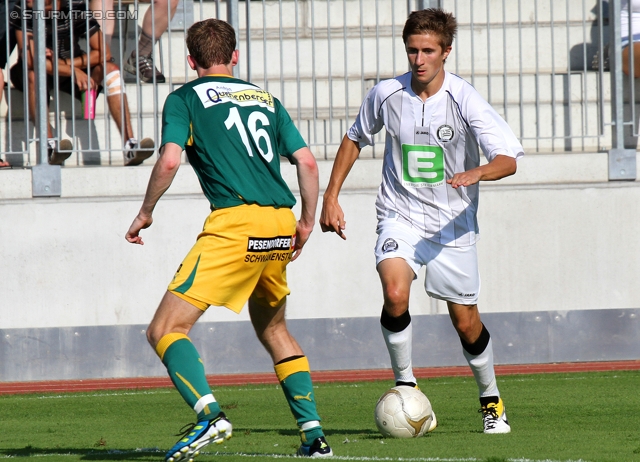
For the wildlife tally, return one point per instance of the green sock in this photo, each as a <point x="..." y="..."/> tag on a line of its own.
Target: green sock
<point x="299" y="393"/>
<point x="295" y="380"/>
<point x="187" y="374"/>
<point x="308" y="435"/>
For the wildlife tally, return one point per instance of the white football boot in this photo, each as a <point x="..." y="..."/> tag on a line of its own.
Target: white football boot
<point x="494" y="418"/>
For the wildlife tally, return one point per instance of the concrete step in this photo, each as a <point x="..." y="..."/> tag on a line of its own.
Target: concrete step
<point x="318" y="39"/>
<point x="477" y="51"/>
<point x="513" y="12"/>
<point x="542" y="128"/>
<point x="303" y="38"/>
<point x="323" y="14"/>
<point x="337" y="95"/>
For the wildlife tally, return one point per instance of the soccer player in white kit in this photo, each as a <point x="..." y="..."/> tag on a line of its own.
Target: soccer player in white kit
<point x="428" y="199"/>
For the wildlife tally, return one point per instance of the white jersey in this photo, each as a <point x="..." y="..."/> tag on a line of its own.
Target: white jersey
<point x="426" y="143"/>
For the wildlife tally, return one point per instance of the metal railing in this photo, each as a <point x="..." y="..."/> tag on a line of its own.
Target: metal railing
<point x="622" y="161"/>
<point x="540" y="63"/>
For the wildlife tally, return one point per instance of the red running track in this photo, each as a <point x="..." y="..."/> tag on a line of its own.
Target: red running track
<point x="139" y="383"/>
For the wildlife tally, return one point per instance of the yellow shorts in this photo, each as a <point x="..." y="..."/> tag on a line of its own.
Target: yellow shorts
<point x="242" y="252"/>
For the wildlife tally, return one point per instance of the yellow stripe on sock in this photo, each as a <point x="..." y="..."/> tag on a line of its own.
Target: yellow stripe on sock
<point x="166" y="341"/>
<point x="193" y="390"/>
<point x="189" y="386"/>
<point x="284" y="370"/>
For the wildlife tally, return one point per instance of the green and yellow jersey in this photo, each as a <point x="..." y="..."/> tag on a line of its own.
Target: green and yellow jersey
<point x="233" y="133"/>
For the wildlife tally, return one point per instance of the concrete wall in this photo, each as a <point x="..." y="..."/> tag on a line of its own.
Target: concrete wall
<point x="559" y="251"/>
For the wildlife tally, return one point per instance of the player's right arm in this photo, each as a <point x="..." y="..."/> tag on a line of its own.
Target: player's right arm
<point x="162" y="175"/>
<point x="175" y="132"/>
<point x="332" y="216"/>
<point x="368" y="122"/>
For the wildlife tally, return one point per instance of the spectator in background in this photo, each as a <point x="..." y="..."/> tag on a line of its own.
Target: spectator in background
<point x="88" y="70"/>
<point x="141" y="63"/>
<point x="630" y="11"/>
<point x="163" y="11"/>
<point x="6" y="37"/>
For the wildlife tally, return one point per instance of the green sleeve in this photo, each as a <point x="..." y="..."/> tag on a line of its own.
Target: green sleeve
<point x="176" y="123"/>
<point x="289" y="138"/>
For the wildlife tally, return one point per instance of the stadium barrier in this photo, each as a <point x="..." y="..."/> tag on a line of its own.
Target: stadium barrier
<point x="537" y="63"/>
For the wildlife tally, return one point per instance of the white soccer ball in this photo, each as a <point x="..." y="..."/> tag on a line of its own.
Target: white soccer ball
<point x="403" y="412"/>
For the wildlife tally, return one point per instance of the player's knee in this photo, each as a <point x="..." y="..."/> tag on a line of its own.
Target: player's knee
<point x="468" y="328"/>
<point x="153" y="336"/>
<point x="465" y="331"/>
<point x="155" y="332"/>
<point x="396" y="300"/>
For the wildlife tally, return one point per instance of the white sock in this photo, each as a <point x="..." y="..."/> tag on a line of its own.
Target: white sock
<point x="483" y="371"/>
<point x="399" y="347"/>
<point x="203" y="402"/>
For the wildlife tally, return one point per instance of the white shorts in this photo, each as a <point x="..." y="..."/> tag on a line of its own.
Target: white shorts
<point x="451" y="272"/>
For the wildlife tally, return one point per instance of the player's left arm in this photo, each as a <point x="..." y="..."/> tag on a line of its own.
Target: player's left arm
<point x="162" y="176"/>
<point x="307" y="172"/>
<point x="500" y="166"/>
<point x="291" y="145"/>
<point x="496" y="139"/>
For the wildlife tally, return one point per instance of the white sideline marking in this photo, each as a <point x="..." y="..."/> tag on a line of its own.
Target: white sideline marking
<point x="383" y="459"/>
<point x="76" y="395"/>
<point x="515" y="378"/>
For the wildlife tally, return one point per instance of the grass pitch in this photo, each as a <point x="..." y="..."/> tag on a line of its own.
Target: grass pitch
<point x="554" y="417"/>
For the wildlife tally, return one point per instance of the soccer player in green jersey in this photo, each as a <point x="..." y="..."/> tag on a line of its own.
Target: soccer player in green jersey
<point x="233" y="133"/>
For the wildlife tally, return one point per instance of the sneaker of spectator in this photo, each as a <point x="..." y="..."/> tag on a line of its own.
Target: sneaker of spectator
<point x="58" y="155"/>
<point x="135" y="154"/>
<point x="154" y="24"/>
<point x="143" y="67"/>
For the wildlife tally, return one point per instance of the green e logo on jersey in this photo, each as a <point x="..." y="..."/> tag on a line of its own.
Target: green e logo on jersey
<point x="422" y="166"/>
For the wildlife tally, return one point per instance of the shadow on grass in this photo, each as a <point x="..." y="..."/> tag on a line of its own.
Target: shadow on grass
<point x="143" y="454"/>
<point x="368" y="432"/>
<point x="86" y="454"/>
